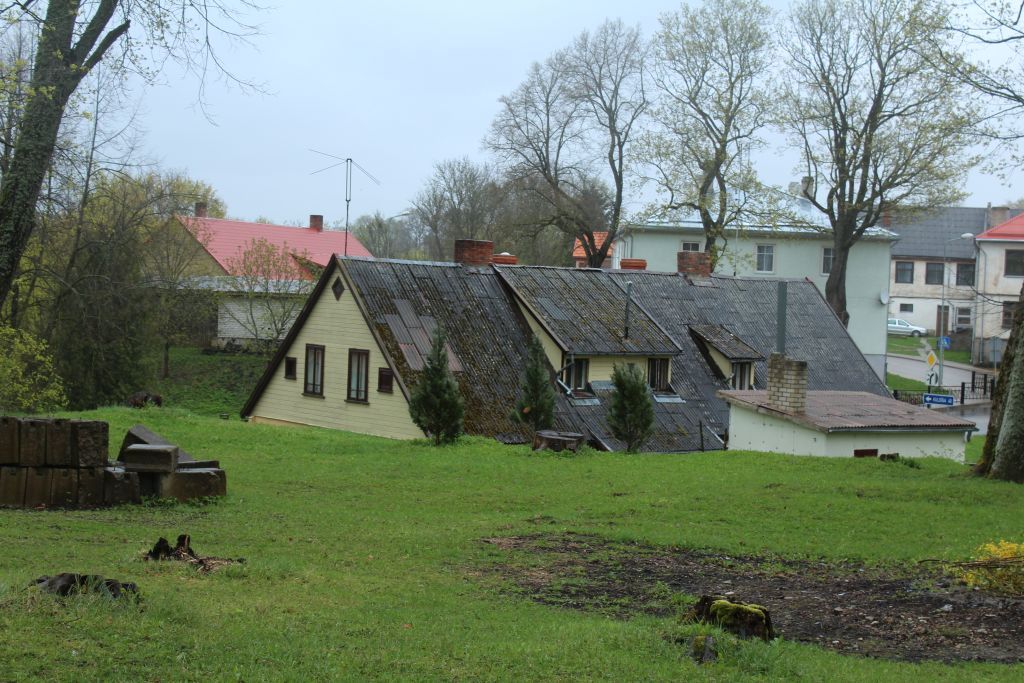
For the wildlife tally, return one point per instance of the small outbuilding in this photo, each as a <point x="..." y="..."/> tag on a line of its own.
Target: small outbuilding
<point x="786" y="418"/>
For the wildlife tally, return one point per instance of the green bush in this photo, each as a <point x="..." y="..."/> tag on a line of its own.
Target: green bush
<point x="28" y="381"/>
<point x="536" y="406"/>
<point x="631" y="413"/>
<point x="436" y="404"/>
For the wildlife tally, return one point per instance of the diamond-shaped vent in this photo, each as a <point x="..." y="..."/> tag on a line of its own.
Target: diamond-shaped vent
<point x="337" y="288"/>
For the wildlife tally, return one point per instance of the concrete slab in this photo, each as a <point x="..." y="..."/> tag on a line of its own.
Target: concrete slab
<point x="63" y="487"/>
<point x="37" y="486"/>
<point x="12" y="486"/>
<point x="9" y="427"/>
<point x="141" y="434"/>
<point x="193" y="483"/>
<point x="120" y="487"/>
<point x="58" y="443"/>
<point x="90" y="442"/>
<point x="90" y="487"/>
<point x="150" y="458"/>
<point x="32" y="443"/>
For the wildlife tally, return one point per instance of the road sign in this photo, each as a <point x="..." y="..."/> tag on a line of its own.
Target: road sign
<point x="932" y="359"/>
<point x="943" y="343"/>
<point x="938" y="400"/>
<point x="932" y="378"/>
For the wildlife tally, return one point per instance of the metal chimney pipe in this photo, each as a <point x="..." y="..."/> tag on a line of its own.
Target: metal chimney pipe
<point x="780" y="318"/>
<point x="629" y="301"/>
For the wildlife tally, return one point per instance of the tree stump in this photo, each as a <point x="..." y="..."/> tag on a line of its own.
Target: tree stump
<point x="744" y="619"/>
<point x="550" y="440"/>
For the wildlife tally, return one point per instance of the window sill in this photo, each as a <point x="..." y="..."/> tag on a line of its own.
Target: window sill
<point x="311" y="395"/>
<point x="291" y="378"/>
<point x="364" y="402"/>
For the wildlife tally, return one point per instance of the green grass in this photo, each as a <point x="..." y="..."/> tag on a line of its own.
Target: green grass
<point x="365" y="559"/>
<point x="974" y="448"/>
<point x="209" y="384"/>
<point x="897" y="382"/>
<point x="911" y="346"/>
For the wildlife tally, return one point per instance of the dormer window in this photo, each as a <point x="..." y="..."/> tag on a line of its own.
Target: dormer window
<point x="576" y="374"/>
<point x="657" y="374"/>
<point x="742" y="373"/>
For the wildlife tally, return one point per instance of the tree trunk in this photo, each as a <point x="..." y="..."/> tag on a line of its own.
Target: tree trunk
<point x="999" y="459"/>
<point x="835" y="286"/>
<point x="167" y="359"/>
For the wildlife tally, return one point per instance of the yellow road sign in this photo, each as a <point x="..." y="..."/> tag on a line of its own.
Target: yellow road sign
<point x="932" y="359"/>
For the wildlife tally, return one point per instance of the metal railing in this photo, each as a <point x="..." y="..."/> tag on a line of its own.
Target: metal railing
<point x="981" y="387"/>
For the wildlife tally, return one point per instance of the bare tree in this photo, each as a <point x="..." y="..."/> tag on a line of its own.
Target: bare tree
<point x="877" y="125"/>
<point x="384" y="237"/>
<point x="267" y="289"/>
<point x="573" y="114"/>
<point x="710" y="70"/>
<point x="72" y="39"/>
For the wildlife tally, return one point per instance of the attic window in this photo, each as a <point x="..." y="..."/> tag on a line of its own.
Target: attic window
<point x="741" y="374"/>
<point x="289" y="367"/>
<point x="575" y="375"/>
<point x="337" y="288"/>
<point x="657" y="374"/>
<point x="385" y="380"/>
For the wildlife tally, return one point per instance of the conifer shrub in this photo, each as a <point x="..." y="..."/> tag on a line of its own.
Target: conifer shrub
<point x="536" y="405"/>
<point x="631" y="412"/>
<point x="435" y="404"/>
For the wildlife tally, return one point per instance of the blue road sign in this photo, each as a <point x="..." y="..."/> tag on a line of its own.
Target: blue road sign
<point x="943" y="343"/>
<point x="938" y="400"/>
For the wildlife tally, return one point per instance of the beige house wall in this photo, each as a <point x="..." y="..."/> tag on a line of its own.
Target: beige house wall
<point x="551" y="349"/>
<point x="338" y="326"/>
<point x="750" y="430"/>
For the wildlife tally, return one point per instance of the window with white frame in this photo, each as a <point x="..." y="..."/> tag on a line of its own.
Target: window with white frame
<point x="906" y="308"/>
<point x="765" y="261"/>
<point x="963" y="318"/>
<point x="689" y="246"/>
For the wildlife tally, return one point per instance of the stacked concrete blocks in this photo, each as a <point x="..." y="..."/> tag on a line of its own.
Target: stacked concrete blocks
<point x="166" y="471"/>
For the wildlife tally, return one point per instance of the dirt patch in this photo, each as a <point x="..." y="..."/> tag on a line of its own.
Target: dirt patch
<point x="908" y="614"/>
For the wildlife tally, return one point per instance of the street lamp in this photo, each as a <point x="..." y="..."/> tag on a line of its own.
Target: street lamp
<point x="943" y="313"/>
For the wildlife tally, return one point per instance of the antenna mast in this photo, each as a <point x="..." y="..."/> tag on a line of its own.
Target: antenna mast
<point x="349" y="163"/>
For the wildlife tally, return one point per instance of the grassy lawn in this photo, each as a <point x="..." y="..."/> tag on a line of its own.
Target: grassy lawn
<point x="911" y="346"/>
<point x="209" y="384"/>
<point x="899" y="383"/>
<point x="365" y="560"/>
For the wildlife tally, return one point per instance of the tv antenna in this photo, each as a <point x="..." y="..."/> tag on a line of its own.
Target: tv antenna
<point x="349" y="163"/>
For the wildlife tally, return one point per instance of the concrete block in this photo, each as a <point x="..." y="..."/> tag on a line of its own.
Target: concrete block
<point x="37" y="486"/>
<point x="32" y="443"/>
<point x="12" y="486"/>
<point x="140" y="434"/>
<point x="149" y="483"/>
<point x="90" y="441"/>
<point x="197" y="464"/>
<point x="193" y="483"/>
<point x="64" y="487"/>
<point x="150" y="458"/>
<point x="9" y="427"/>
<point x="58" y="443"/>
<point x="90" y="487"/>
<point x="120" y="487"/>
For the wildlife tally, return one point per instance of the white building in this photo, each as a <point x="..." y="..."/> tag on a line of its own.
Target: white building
<point x="1000" y="278"/>
<point x="783" y="252"/>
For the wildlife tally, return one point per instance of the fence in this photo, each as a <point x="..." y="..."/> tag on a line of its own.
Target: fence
<point x="981" y="387"/>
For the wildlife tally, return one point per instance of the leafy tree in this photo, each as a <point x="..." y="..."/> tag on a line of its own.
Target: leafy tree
<point x="709" y="71"/>
<point x="436" y="404"/>
<point x="28" y="381"/>
<point x="581" y="104"/>
<point x="536" y="405"/>
<point x="630" y="413"/>
<point x="878" y="125"/>
<point x="72" y="38"/>
<point x="1003" y="456"/>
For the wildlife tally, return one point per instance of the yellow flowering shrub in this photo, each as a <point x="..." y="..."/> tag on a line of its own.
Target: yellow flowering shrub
<point x="28" y="381"/>
<point x="997" y="566"/>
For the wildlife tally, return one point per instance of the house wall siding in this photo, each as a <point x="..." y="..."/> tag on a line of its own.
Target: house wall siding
<point x="338" y="326"/>
<point x="234" y="313"/>
<point x="750" y="430"/>
<point x="551" y="349"/>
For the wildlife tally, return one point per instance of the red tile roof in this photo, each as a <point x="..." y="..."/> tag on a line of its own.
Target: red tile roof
<point x="599" y="238"/>
<point x="1012" y="229"/>
<point x="843" y="411"/>
<point x="226" y="239"/>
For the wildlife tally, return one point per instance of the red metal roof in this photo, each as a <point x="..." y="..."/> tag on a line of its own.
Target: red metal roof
<point x="1012" y="229"/>
<point x="599" y="238"/>
<point x="226" y="239"/>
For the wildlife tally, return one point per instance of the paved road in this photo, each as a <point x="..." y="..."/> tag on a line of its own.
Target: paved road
<point x="918" y="369"/>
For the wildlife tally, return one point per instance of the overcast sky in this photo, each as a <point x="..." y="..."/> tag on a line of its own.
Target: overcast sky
<point x="397" y="86"/>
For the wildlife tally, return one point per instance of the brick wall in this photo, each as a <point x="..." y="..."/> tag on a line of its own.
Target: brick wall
<point x="633" y="264"/>
<point x="474" y="252"/>
<point x="787" y="384"/>
<point x="694" y="263"/>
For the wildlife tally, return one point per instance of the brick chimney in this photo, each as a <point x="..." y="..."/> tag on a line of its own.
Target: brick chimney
<point x="997" y="215"/>
<point x="505" y="259"/>
<point x="200" y="210"/>
<point x="633" y="264"/>
<point x="696" y="263"/>
<point x="787" y="384"/>
<point x="316" y="222"/>
<point x="474" y="252"/>
<point x="886" y="219"/>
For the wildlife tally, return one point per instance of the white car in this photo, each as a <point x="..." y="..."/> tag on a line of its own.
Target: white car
<point x="902" y="327"/>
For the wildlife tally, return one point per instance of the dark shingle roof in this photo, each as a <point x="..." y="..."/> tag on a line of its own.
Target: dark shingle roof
<point x="925" y="235"/>
<point x="585" y="311"/>
<point x="727" y="343"/>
